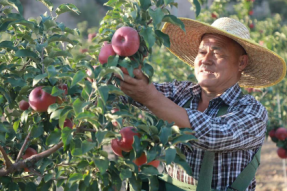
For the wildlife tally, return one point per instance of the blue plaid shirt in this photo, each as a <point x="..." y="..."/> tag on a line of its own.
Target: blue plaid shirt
<point x="234" y="137"/>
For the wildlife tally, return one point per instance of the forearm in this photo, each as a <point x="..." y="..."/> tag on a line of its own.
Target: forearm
<point x="167" y="110"/>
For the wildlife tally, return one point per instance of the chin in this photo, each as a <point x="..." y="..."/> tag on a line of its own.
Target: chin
<point x="206" y="83"/>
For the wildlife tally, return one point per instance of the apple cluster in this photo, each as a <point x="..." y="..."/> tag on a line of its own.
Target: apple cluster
<point x="125" y="144"/>
<point x="280" y="134"/>
<point x="39" y="101"/>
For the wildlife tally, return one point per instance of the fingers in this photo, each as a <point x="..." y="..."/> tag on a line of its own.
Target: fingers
<point x="127" y="79"/>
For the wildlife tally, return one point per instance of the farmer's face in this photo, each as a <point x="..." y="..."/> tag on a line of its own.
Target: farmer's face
<point x="218" y="64"/>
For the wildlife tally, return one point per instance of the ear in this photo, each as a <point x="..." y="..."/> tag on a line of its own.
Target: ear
<point x="243" y="62"/>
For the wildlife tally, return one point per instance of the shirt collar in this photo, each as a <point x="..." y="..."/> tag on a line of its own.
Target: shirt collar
<point x="228" y="97"/>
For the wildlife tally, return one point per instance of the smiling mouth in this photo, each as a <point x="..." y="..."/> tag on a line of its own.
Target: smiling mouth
<point x="206" y="72"/>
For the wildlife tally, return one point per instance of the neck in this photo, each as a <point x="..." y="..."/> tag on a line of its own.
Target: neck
<point x="207" y="95"/>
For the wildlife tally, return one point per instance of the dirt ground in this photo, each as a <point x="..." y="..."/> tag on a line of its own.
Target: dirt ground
<point x="270" y="175"/>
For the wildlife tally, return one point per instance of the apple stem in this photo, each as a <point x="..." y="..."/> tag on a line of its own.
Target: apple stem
<point x="23" y="146"/>
<point x="7" y="160"/>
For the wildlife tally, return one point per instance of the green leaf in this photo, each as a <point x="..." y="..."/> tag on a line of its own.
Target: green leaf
<point x="26" y="53"/>
<point x="148" y="35"/>
<point x="183" y="164"/>
<point x="166" y="2"/>
<point x="75" y="177"/>
<point x="153" y="183"/>
<point x="183" y="139"/>
<point x="100" y="135"/>
<point x="104" y="92"/>
<point x="63" y="115"/>
<point x="157" y="15"/>
<point x="197" y="7"/>
<point x="149" y="170"/>
<point x="14" y="3"/>
<point x="174" y="20"/>
<point x="67" y="7"/>
<point x="60" y="53"/>
<point x="66" y="135"/>
<point x="102" y="164"/>
<point x="80" y="75"/>
<point x="85" y="115"/>
<point x="37" y="130"/>
<point x="48" y="177"/>
<point x="87" y="146"/>
<point x="148" y="70"/>
<point x="113" y="60"/>
<point x="170" y="155"/>
<point x="47" y="3"/>
<point x="16" y="125"/>
<point x="25" y="23"/>
<point x="83" y="164"/>
<point x="6" y="95"/>
<point x="56" y="91"/>
<point x="24" y="116"/>
<point x="31" y="186"/>
<point x="8" y="44"/>
<point x="79" y="106"/>
<point x="145" y="4"/>
<point x="164" y="135"/>
<point x="112" y="69"/>
<point x="56" y="114"/>
<point x="52" y="108"/>
<point x="3" y="128"/>
<point x="94" y="186"/>
<point x="54" y="137"/>
<point x="135" y="182"/>
<point x="62" y="38"/>
<point x="165" y="37"/>
<point x="39" y="78"/>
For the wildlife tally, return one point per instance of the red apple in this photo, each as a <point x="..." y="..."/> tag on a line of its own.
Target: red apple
<point x="24" y="105"/>
<point x="115" y="147"/>
<point x="251" y="25"/>
<point x="282" y="153"/>
<point x="141" y="160"/>
<point x="29" y="152"/>
<point x="91" y="36"/>
<point x="40" y="100"/>
<point x="69" y="123"/>
<point x="272" y="133"/>
<point x="126" y="41"/>
<point x="127" y="139"/>
<point x="106" y="52"/>
<point x="64" y="87"/>
<point x="114" y="110"/>
<point x="281" y="133"/>
<point x="84" y="50"/>
<point x="154" y="163"/>
<point x="213" y="15"/>
<point x="250" y="12"/>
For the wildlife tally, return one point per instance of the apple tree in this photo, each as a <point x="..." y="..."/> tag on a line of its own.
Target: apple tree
<point x="59" y="111"/>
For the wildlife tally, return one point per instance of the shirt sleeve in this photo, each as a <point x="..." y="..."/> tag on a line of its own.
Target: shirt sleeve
<point x="242" y="128"/>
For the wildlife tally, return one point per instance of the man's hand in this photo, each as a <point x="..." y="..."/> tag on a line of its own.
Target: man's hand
<point x="139" y="88"/>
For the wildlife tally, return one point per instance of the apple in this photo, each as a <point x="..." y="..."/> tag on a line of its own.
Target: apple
<point x="213" y="15"/>
<point x="64" y="87"/>
<point x="68" y="123"/>
<point x="251" y="25"/>
<point x="105" y="52"/>
<point x="154" y="163"/>
<point x="272" y="133"/>
<point x="127" y="139"/>
<point x="282" y="153"/>
<point x="250" y="12"/>
<point x="115" y="147"/>
<point x="91" y="36"/>
<point x="281" y="133"/>
<point x="29" y="152"/>
<point x="84" y="50"/>
<point x="126" y="41"/>
<point x="141" y="160"/>
<point x="24" y="105"/>
<point x="40" y="100"/>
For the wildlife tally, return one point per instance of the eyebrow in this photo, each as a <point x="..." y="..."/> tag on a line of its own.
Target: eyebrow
<point x="213" y="48"/>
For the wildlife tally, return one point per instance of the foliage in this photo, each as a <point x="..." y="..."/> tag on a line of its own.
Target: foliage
<point x="43" y="52"/>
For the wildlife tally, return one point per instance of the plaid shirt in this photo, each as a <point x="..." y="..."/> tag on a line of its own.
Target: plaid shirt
<point x="234" y="137"/>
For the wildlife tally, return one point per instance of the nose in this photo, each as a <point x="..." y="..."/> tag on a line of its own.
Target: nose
<point x="207" y="59"/>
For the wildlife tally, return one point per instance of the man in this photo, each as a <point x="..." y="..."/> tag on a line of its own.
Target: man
<point x="224" y="59"/>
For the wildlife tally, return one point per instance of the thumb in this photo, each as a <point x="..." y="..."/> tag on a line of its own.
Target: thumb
<point x="139" y="74"/>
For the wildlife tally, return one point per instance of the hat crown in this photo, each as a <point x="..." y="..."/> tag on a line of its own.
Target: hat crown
<point x="232" y="26"/>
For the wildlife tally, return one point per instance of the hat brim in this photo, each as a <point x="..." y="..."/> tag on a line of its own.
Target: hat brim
<point x="265" y="68"/>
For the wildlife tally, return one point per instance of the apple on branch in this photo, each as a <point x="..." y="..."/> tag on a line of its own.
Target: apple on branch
<point x="24" y="105"/>
<point x="126" y="41"/>
<point x="105" y="52"/>
<point x="28" y="153"/>
<point x="40" y="100"/>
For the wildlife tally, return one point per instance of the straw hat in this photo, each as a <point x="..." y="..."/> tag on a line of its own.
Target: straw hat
<point x="265" y="68"/>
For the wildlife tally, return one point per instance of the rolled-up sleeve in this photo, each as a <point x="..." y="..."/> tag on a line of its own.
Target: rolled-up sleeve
<point x="243" y="127"/>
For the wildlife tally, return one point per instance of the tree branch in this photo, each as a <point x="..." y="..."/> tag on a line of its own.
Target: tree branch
<point x="23" y="146"/>
<point x="25" y="65"/>
<point x="33" y="159"/>
<point x="8" y="163"/>
<point x="149" y="22"/>
<point x="110" y="79"/>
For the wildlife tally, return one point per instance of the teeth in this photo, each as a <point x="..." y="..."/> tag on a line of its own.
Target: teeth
<point x="207" y="72"/>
